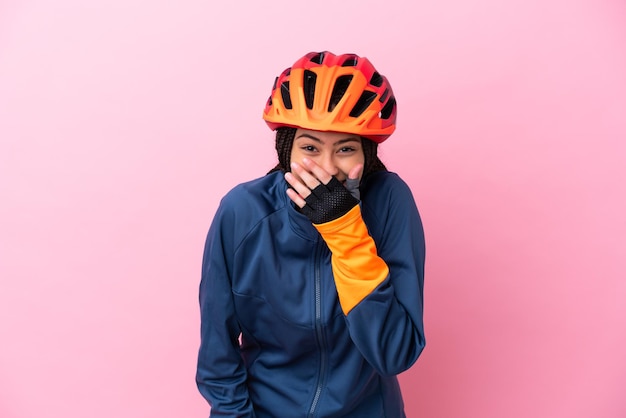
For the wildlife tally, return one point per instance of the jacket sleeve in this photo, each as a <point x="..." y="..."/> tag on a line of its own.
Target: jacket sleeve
<point x="221" y="374"/>
<point x="380" y="284"/>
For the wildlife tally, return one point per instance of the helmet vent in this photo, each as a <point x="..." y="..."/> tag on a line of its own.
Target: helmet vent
<point x="388" y="109"/>
<point x="376" y="80"/>
<point x="309" y="87"/>
<point x="350" y="62"/>
<point x="364" y="101"/>
<point x="275" y="82"/>
<point x="318" y="59"/>
<point x="284" y="92"/>
<point x="341" y="85"/>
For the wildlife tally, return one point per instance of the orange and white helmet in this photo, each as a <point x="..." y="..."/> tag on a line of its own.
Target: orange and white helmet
<point x="339" y="93"/>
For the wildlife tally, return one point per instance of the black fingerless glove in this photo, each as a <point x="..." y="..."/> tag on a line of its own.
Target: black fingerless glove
<point x="328" y="202"/>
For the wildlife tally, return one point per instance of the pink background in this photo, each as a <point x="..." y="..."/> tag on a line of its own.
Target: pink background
<point x="122" y="124"/>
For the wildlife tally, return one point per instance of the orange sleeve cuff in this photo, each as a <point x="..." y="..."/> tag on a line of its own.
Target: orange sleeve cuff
<point x="357" y="268"/>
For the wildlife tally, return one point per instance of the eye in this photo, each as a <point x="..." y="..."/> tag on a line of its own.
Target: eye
<point x="347" y="149"/>
<point x="308" y="148"/>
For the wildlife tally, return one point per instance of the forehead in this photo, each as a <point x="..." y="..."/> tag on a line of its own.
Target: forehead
<point x="324" y="137"/>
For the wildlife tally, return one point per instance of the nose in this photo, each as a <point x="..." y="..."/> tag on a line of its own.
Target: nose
<point x="328" y="163"/>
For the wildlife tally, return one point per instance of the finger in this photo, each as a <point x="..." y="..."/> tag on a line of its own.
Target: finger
<point x="307" y="177"/>
<point x="320" y="174"/>
<point x="295" y="198"/>
<point x="356" y="171"/>
<point x="300" y="188"/>
<point x="353" y="187"/>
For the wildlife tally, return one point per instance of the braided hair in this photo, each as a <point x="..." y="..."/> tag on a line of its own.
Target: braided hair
<point x="284" y="144"/>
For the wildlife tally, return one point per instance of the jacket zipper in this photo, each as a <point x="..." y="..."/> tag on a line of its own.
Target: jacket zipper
<point x="321" y="341"/>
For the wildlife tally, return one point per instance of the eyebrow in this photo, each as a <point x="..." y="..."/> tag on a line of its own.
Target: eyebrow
<point x="316" y="139"/>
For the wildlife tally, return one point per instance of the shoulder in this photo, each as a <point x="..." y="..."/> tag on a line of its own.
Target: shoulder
<point x="382" y="186"/>
<point x="248" y="203"/>
<point x="386" y="200"/>
<point x="264" y="192"/>
<point x="243" y="209"/>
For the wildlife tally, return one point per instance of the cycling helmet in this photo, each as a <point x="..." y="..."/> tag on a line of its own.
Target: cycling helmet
<point x="339" y="93"/>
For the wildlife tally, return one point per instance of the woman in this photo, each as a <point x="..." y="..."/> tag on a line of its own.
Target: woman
<point x="312" y="277"/>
